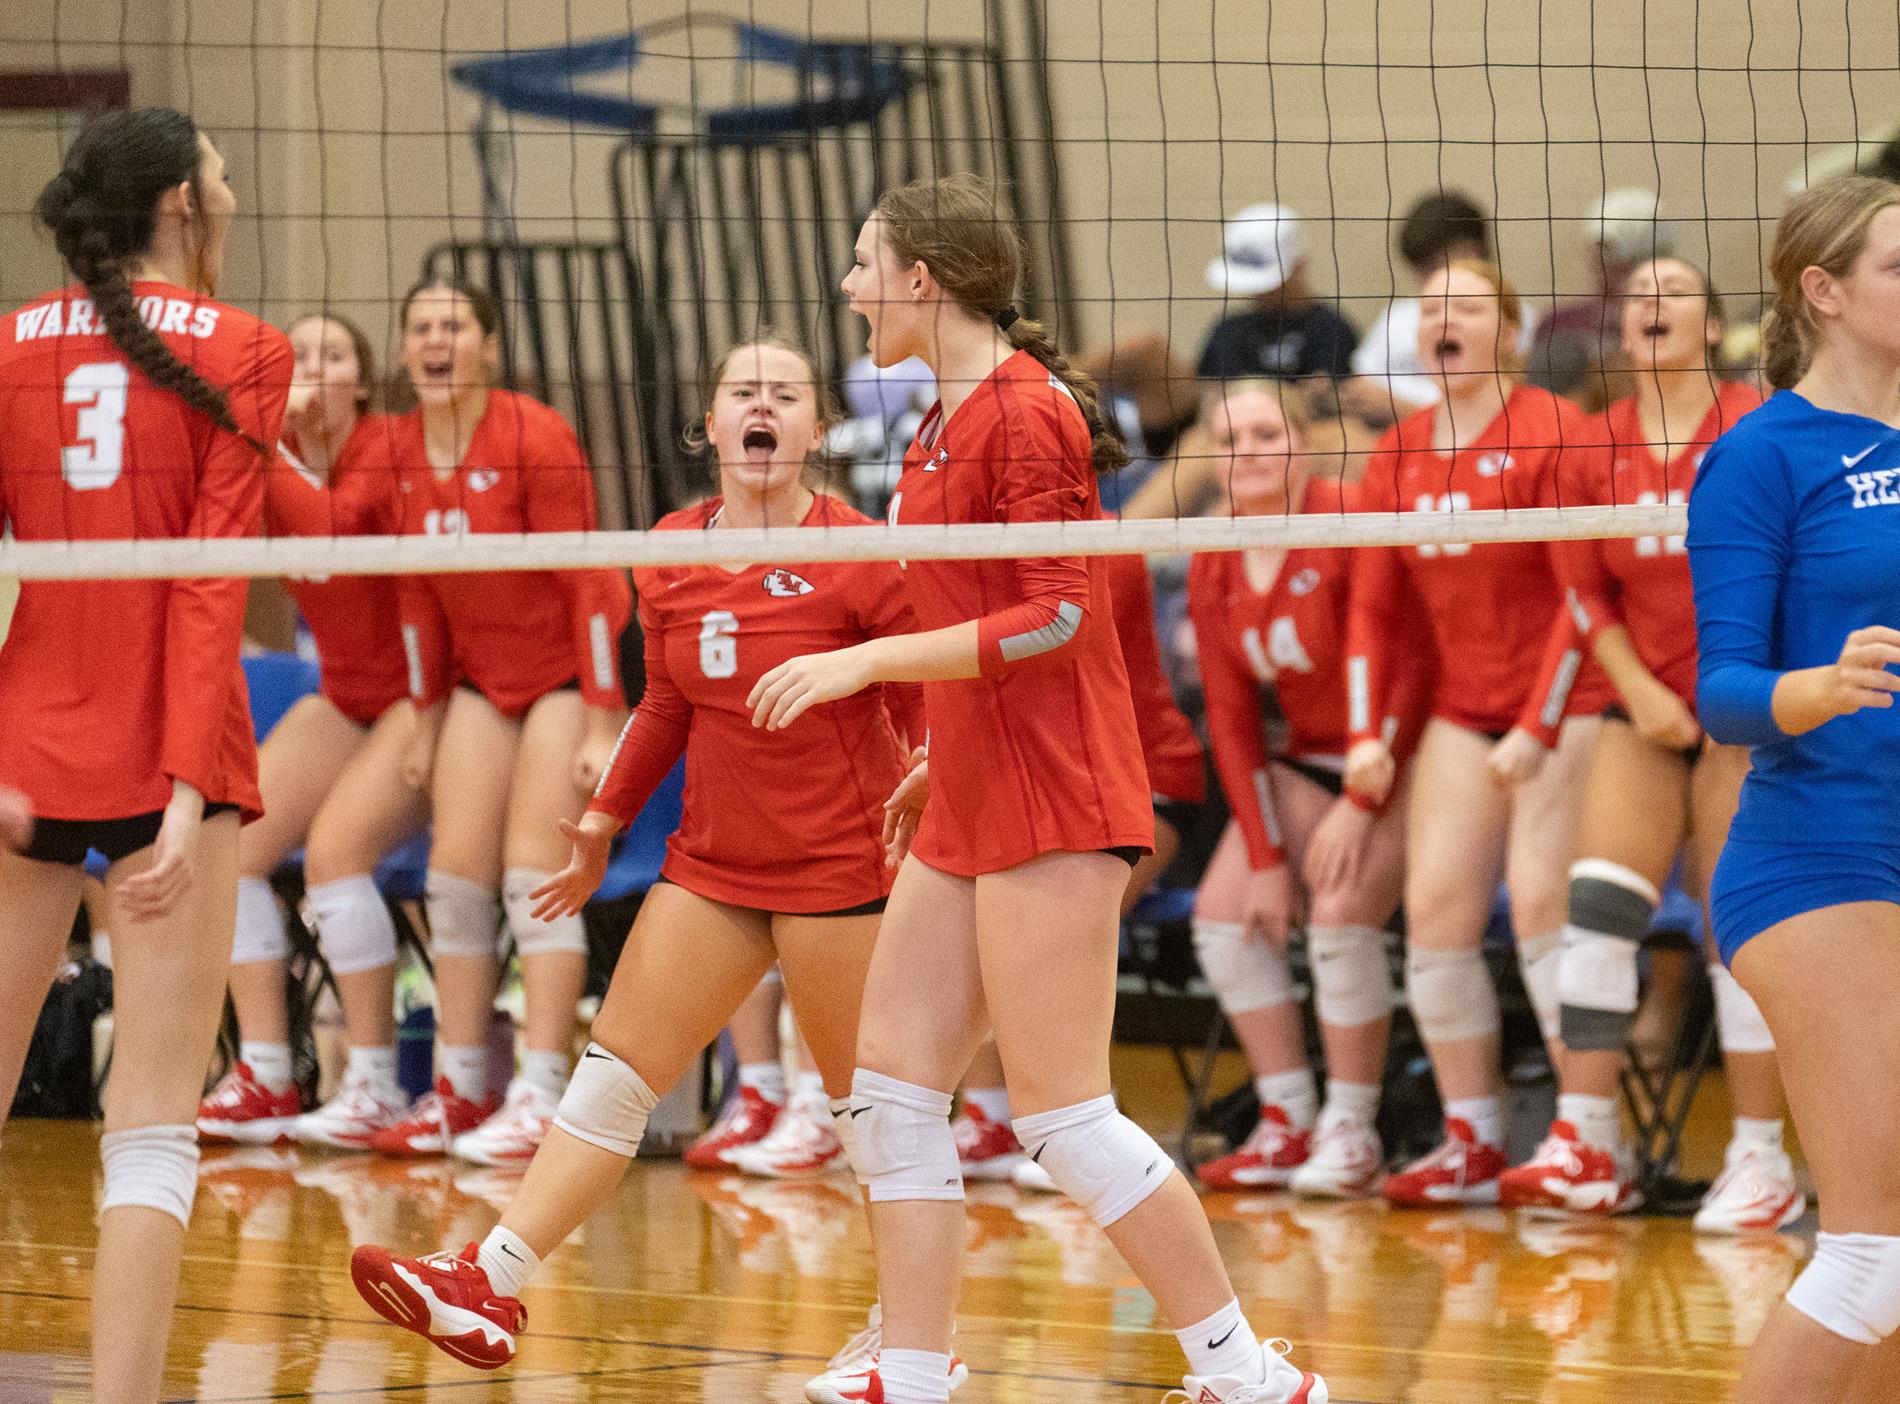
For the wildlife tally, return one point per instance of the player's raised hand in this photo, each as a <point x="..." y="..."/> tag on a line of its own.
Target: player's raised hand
<point x="568" y="891"/>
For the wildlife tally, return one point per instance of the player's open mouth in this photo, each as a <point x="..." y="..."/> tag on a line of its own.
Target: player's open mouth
<point x="438" y="370"/>
<point x="759" y="443"/>
<point x="1656" y="331"/>
<point x="1448" y="347"/>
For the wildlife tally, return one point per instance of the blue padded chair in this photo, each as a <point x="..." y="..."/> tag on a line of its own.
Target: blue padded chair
<point x="277" y="682"/>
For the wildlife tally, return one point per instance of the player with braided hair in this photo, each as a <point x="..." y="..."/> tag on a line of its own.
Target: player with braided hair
<point x="134" y="404"/>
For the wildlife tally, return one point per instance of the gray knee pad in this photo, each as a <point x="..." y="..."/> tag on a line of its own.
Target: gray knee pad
<point x="1539" y="960"/>
<point x="901" y="1135"/>
<point x="1451" y="995"/>
<point x="1851" y="1286"/>
<point x="1739" y="1025"/>
<point x="568" y="933"/>
<point x="1352" y="984"/>
<point x="464" y="916"/>
<point x="1246" y="974"/>
<point x="1096" y="1156"/>
<point x="606" y="1103"/>
<point x="1611" y="907"/>
<point x="151" y="1167"/>
<point x="353" y="924"/>
<point x="260" y="934"/>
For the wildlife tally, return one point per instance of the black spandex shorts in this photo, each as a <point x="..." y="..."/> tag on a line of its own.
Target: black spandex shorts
<point x="871" y="908"/>
<point x="1330" y="781"/>
<point x="66" y="840"/>
<point x="1179" y="815"/>
<point x="1129" y="853"/>
<point x="1617" y="712"/>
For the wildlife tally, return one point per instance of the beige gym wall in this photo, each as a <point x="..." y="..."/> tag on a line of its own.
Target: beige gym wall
<point x="353" y="157"/>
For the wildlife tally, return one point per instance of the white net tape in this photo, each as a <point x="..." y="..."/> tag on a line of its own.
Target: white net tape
<point x="410" y="555"/>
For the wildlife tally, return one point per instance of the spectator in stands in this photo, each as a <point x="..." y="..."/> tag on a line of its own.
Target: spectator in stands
<point x="1287" y="333"/>
<point x="1574" y="351"/>
<point x="1440" y="228"/>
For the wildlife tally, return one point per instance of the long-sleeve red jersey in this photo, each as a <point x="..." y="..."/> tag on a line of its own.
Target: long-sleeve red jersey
<point x="1641" y="582"/>
<point x="1040" y="752"/>
<point x="785" y="821"/>
<point x="514" y="635"/>
<point x="354" y="619"/>
<point x="1169" y="746"/>
<point x="1494" y="608"/>
<point x="110" y="690"/>
<point x="1290" y="636"/>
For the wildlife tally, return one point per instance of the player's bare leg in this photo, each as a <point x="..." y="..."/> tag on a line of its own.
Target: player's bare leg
<point x="543" y="793"/>
<point x="37" y="904"/>
<point x="169" y="974"/>
<point x="474" y="765"/>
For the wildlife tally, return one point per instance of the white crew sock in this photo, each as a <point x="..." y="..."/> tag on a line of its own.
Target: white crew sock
<point x="914" y="1376"/>
<point x="1484" y="1116"/>
<point x="1223" y="1344"/>
<point x="547" y="1069"/>
<point x="507" y="1260"/>
<point x="269" y="1063"/>
<point x="1357" y="1102"/>
<point x="767" y="1079"/>
<point x="1294" y="1093"/>
<point x="375" y="1066"/>
<point x="1594" y="1117"/>
<point x="466" y="1069"/>
<point x="1758" y="1132"/>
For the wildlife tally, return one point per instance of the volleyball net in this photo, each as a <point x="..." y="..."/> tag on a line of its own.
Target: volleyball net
<point x="642" y="187"/>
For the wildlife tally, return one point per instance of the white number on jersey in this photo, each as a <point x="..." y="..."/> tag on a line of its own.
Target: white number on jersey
<point x="1444" y="502"/>
<point x="447" y="521"/>
<point x="1661" y="545"/>
<point x="99" y="389"/>
<point x="718" y="644"/>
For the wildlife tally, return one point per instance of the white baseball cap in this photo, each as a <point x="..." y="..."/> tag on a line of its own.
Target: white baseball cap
<point x="1259" y="248"/>
<point x="1627" y="221"/>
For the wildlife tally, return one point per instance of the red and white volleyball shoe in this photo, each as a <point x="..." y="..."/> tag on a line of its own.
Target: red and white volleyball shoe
<point x="444" y="1298"/>
<point x="435" y="1120"/>
<point x="242" y="1109"/>
<point x="851" y="1377"/>
<point x="1462" y="1170"/>
<point x="348" y="1120"/>
<point x="1755" y="1193"/>
<point x="747" y="1119"/>
<point x="1265" y="1160"/>
<point x="1346" y="1162"/>
<point x="1285" y="1383"/>
<point x="987" y="1150"/>
<point x="802" y="1144"/>
<point x="1567" y="1175"/>
<point x="512" y="1135"/>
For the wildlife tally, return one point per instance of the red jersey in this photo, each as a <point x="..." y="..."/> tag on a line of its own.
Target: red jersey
<point x="1641" y="582"/>
<point x="785" y="821"/>
<point x="1040" y="752"/>
<point x="110" y="690"/>
<point x="354" y="619"/>
<point x="1292" y="636"/>
<point x="1491" y="606"/>
<point x="515" y="635"/>
<point x="1169" y="747"/>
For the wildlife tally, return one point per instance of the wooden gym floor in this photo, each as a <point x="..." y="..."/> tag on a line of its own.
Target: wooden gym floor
<point x="693" y="1287"/>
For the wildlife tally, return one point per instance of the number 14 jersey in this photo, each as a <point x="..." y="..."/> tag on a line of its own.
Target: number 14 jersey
<point x="783" y="821"/>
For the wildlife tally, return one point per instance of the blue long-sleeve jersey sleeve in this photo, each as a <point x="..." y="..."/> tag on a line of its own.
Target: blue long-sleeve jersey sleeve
<point x="1739" y="521"/>
<point x="1794" y="543"/>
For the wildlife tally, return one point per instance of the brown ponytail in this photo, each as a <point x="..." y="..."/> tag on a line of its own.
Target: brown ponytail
<point x="956" y="227"/>
<point x="101" y="210"/>
<point x="1824" y="227"/>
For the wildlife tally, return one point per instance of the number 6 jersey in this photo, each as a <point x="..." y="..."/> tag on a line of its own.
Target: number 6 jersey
<point x="783" y="821"/>
<point x="109" y="690"/>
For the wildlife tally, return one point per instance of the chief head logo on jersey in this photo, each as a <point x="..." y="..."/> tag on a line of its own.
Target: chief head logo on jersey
<point x="941" y="457"/>
<point x="482" y="479"/>
<point x="785" y="584"/>
<point x="1304" y="582"/>
<point x="1493" y="464"/>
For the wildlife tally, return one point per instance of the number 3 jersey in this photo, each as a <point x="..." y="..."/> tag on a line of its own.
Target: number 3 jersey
<point x="1494" y="608"/>
<point x="109" y="690"/>
<point x="783" y="821"/>
<point x="1641" y="582"/>
<point x="512" y="635"/>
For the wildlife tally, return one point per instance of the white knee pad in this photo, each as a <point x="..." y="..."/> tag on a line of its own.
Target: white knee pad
<point x="1451" y="994"/>
<point x="151" y="1167"/>
<point x="260" y="932"/>
<point x="464" y="916"/>
<point x="1739" y="1025"/>
<point x="568" y="933"/>
<point x="1352" y="984"/>
<point x="1611" y="907"/>
<point x="606" y="1103"/>
<point x="354" y="927"/>
<point x="901" y="1132"/>
<point x="1096" y="1156"/>
<point x="1539" y="959"/>
<point x="1852" y="1286"/>
<point x="841" y="1123"/>
<point x="1246" y="974"/>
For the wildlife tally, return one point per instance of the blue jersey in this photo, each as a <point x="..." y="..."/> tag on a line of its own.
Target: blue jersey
<point x="1794" y="542"/>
